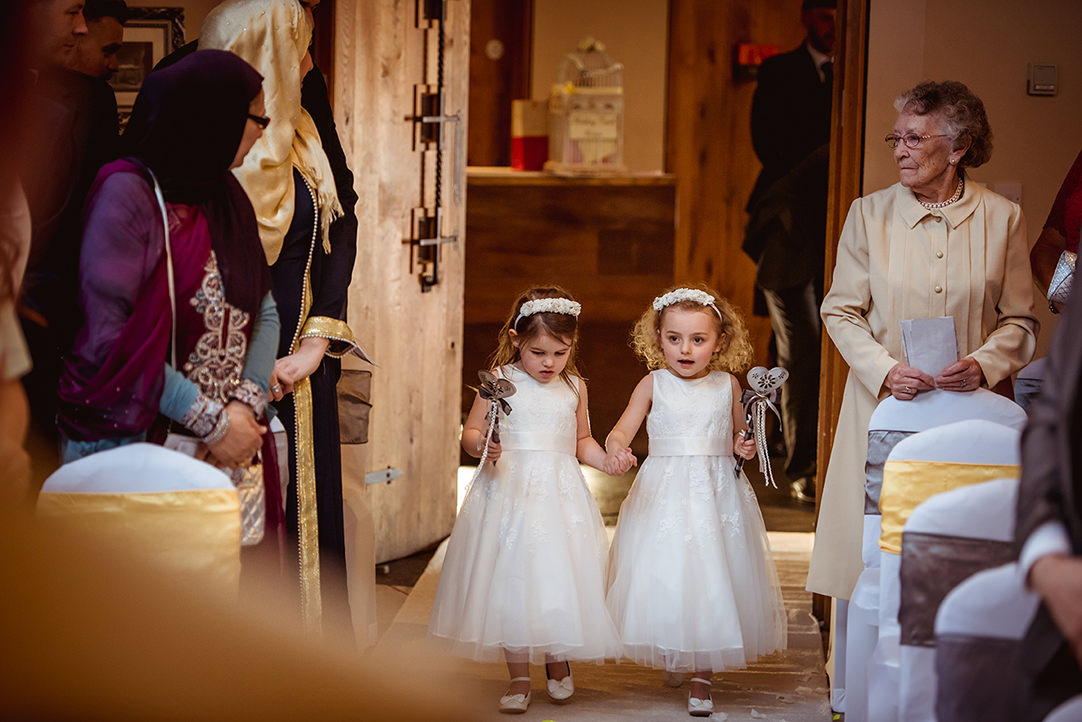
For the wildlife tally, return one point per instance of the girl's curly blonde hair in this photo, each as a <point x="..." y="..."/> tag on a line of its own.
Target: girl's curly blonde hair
<point x="736" y="353"/>
<point x="561" y="326"/>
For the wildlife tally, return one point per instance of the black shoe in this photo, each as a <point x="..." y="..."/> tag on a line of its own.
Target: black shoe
<point x="803" y="490"/>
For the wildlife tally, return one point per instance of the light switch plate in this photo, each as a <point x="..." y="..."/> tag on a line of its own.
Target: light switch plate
<point x="1043" y="79"/>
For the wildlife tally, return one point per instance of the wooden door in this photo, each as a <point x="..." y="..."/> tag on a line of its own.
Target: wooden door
<point x="387" y="55"/>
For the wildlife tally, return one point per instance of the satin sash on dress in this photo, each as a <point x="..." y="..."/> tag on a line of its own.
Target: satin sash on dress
<point x="691" y="446"/>
<point x="535" y="441"/>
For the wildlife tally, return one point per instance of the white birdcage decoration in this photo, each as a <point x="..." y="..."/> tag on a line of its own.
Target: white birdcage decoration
<point x="586" y="112"/>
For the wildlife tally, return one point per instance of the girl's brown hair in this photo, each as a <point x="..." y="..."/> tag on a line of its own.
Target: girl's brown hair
<point x="736" y="353"/>
<point x="561" y="326"/>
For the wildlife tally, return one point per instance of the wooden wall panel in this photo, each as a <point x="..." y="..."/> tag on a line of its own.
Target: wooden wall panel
<point x="415" y="337"/>
<point x="846" y="172"/>
<point x="609" y="241"/>
<point x="496" y="81"/>
<point x="708" y="139"/>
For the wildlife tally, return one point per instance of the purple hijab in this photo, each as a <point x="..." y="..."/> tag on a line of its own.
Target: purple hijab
<point x="186" y="126"/>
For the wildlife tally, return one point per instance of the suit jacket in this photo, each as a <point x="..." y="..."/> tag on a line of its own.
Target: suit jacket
<point x="790" y="115"/>
<point x="790" y="121"/>
<point x="1051" y="490"/>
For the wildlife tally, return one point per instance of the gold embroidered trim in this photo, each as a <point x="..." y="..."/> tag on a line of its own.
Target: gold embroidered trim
<point x="216" y="362"/>
<point x="332" y="329"/>
<point x="306" y="496"/>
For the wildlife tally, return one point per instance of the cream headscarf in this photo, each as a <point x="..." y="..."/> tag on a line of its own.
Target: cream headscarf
<point x="273" y="36"/>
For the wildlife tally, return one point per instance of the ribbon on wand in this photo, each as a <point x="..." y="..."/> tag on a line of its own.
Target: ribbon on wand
<point x="495" y="390"/>
<point x="761" y="395"/>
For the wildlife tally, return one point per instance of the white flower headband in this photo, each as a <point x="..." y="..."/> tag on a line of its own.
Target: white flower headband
<point x="547" y="305"/>
<point x="686" y="294"/>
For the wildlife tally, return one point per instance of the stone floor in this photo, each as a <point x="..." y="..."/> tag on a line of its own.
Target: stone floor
<point x="786" y="687"/>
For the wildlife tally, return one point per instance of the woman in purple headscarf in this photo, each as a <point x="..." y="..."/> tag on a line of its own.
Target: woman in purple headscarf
<point x="124" y="381"/>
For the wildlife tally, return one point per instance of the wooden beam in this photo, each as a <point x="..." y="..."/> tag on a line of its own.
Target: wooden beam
<point x="846" y="174"/>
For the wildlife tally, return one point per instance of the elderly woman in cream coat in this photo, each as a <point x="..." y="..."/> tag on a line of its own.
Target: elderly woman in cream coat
<point x="934" y="244"/>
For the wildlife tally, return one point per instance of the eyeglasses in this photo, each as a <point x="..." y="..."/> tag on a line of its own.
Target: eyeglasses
<point x="911" y="140"/>
<point x="261" y="120"/>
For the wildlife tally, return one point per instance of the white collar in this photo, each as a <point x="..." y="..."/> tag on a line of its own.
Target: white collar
<point x="818" y="58"/>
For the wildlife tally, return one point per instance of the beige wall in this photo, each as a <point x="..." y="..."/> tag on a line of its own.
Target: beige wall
<point x="986" y="44"/>
<point x="635" y="34"/>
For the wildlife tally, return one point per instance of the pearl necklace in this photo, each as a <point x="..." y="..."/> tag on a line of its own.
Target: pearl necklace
<point x="949" y="201"/>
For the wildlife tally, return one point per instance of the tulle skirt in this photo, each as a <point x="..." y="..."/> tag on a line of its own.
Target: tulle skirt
<point x="525" y="566"/>
<point x="692" y="584"/>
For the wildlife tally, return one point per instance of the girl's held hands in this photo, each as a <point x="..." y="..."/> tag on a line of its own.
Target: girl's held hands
<point x="744" y="448"/>
<point x="618" y="461"/>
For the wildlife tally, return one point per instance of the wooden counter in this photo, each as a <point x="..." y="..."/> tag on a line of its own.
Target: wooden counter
<point x="608" y="239"/>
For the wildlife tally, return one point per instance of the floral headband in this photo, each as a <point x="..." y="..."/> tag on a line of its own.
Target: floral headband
<point x="686" y="294"/>
<point x="547" y="305"/>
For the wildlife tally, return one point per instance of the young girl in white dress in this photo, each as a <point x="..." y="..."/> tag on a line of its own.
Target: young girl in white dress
<point x="692" y="585"/>
<point x="525" y="567"/>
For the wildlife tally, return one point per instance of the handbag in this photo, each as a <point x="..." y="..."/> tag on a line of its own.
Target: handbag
<point x="354" y="405"/>
<point x="247" y="479"/>
<point x="1062" y="278"/>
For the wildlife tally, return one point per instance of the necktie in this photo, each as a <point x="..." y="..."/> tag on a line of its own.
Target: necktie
<point x="828" y="73"/>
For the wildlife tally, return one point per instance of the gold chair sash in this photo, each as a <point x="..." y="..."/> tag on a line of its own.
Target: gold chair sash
<point x="192" y="533"/>
<point x="906" y="484"/>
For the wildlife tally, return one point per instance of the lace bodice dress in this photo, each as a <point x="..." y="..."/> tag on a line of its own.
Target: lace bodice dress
<point x="526" y="563"/>
<point x="692" y="584"/>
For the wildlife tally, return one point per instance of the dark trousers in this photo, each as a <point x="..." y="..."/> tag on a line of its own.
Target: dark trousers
<point x="794" y="316"/>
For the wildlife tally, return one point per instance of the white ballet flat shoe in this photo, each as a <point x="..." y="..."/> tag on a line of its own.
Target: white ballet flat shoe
<point x="700" y="707"/>
<point x="672" y="679"/>
<point x="516" y="703"/>
<point x="560" y="690"/>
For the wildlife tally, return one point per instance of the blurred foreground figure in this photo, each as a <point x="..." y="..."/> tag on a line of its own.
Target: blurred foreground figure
<point x="89" y="633"/>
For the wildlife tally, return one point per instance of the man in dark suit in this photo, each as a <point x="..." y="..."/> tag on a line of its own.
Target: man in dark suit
<point x="790" y="121"/>
<point x="1049" y="528"/>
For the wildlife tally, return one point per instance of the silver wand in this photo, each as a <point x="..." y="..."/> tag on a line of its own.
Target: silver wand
<point x="496" y="390"/>
<point x="761" y="395"/>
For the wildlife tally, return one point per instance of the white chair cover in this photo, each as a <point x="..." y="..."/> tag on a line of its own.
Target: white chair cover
<point x="948" y="538"/>
<point x="892" y="421"/>
<point x="977" y="629"/>
<point x="174" y="511"/>
<point x="1069" y="711"/>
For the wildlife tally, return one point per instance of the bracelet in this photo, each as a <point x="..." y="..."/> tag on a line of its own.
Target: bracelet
<point x="202" y="416"/>
<point x="248" y="393"/>
<point x="221" y="428"/>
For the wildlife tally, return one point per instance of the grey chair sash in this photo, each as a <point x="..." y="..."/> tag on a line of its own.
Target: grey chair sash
<point x="932" y="565"/>
<point x="880" y="443"/>
<point x="964" y="665"/>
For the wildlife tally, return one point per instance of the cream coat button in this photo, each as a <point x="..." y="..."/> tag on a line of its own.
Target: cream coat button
<point x="939" y="289"/>
<point x="939" y="254"/>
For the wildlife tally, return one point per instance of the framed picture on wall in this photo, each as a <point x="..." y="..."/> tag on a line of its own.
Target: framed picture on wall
<point x="150" y="34"/>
